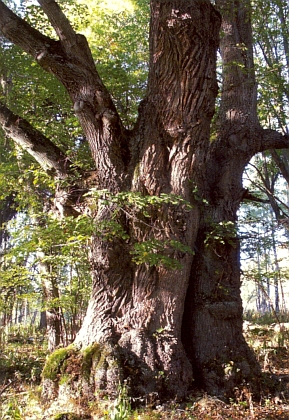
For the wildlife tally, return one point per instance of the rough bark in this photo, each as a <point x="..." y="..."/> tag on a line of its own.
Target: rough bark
<point x="154" y="326"/>
<point x="212" y="325"/>
<point x="46" y="153"/>
<point x="220" y="356"/>
<point x="173" y="135"/>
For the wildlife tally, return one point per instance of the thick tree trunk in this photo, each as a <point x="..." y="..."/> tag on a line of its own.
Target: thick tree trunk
<point x="212" y="324"/>
<point x="155" y="331"/>
<point x="139" y="309"/>
<point x="212" y="327"/>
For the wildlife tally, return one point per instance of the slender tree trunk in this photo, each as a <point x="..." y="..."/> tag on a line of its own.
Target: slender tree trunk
<point x="43" y="321"/>
<point x="50" y="294"/>
<point x="277" y="271"/>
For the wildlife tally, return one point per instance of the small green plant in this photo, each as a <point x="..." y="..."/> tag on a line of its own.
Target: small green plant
<point x="154" y="253"/>
<point x="137" y="206"/>
<point x="11" y="411"/>
<point x="222" y="233"/>
<point x="158" y="332"/>
<point x="121" y="409"/>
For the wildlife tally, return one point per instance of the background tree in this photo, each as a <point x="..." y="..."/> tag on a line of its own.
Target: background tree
<point x="163" y="195"/>
<point x="27" y="189"/>
<point x="269" y="181"/>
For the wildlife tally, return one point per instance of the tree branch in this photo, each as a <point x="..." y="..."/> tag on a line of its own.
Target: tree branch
<point x="47" y="52"/>
<point x="251" y="197"/>
<point x="46" y="153"/>
<point x="75" y="45"/>
<point x="68" y="64"/>
<point x="70" y="60"/>
<point x="281" y="164"/>
<point x="21" y="33"/>
<point x="261" y="139"/>
<point x="59" y="21"/>
<point x="272" y="139"/>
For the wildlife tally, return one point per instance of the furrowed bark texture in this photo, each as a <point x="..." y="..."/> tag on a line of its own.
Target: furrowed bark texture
<point x="140" y="309"/>
<point x="220" y="356"/>
<point x="153" y="326"/>
<point x="46" y="153"/>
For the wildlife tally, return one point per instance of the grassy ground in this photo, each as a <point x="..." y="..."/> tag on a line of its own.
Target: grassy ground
<point x="21" y="362"/>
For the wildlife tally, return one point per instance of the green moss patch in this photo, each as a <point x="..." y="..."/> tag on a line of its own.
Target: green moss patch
<point x="56" y="363"/>
<point x="88" y="354"/>
<point x="67" y="364"/>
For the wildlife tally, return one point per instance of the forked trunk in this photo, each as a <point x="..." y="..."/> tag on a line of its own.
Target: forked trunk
<point x="157" y="327"/>
<point x="136" y="308"/>
<point x="153" y="326"/>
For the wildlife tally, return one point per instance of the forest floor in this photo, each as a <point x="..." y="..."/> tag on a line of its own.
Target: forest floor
<point x="21" y="363"/>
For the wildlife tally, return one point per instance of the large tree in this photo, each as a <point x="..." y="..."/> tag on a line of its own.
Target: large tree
<point x="159" y="323"/>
